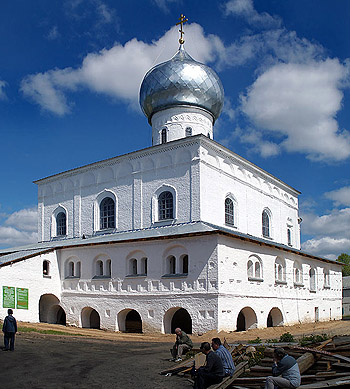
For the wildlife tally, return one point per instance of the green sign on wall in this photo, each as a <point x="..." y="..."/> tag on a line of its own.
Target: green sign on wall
<point x="8" y="294"/>
<point x="22" y="298"/>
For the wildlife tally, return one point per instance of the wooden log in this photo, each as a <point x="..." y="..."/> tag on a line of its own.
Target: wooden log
<point x="240" y="369"/>
<point x="341" y="366"/>
<point x="341" y="381"/>
<point x="305" y="362"/>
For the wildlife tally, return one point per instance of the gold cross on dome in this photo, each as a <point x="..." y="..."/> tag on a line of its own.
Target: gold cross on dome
<point x="182" y="21"/>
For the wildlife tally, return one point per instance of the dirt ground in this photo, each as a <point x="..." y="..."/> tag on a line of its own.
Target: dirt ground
<point x="99" y="359"/>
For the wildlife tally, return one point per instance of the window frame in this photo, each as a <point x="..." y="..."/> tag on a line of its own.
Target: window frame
<point x="266" y="227"/>
<point x="163" y="206"/>
<point x="107" y="214"/>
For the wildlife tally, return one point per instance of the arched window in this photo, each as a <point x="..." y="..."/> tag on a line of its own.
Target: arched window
<point x="188" y="131"/>
<point x="108" y="268"/>
<point x="164" y="136"/>
<point x="298" y="274"/>
<point x="71" y="269"/>
<point x="107" y="213"/>
<point x="265" y="224"/>
<point x="254" y="269"/>
<point x="61" y="224"/>
<point x="312" y="276"/>
<point x="326" y="282"/>
<point x="78" y="269"/>
<point x="185" y="264"/>
<point x="257" y="269"/>
<point x="144" y="266"/>
<point x="250" y="269"/>
<point x="133" y="266"/>
<point x="99" y="268"/>
<point x="165" y="206"/>
<point x="229" y="212"/>
<point x="172" y="264"/>
<point x="280" y="271"/>
<point x="46" y="268"/>
<point x="289" y="237"/>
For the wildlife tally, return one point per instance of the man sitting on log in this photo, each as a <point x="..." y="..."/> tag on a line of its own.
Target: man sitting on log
<point x="225" y="355"/>
<point x="286" y="367"/>
<point x="182" y="343"/>
<point x="212" y="372"/>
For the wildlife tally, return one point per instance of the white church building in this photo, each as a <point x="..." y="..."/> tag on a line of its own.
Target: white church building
<point x="183" y="233"/>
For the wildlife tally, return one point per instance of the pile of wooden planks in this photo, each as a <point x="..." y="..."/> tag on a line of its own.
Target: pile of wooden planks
<point x="322" y="365"/>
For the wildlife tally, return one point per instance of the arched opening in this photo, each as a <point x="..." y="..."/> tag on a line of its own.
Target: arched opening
<point x="133" y="322"/>
<point x="61" y="316"/>
<point x="246" y="319"/>
<point x="46" y="268"/>
<point x="50" y="311"/>
<point x="274" y="318"/>
<point x="90" y="318"/>
<point x="240" y="322"/>
<point x="181" y="319"/>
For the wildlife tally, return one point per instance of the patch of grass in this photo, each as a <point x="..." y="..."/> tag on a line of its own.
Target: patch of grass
<point x="307" y="340"/>
<point x="272" y="341"/>
<point x="256" y="340"/>
<point x="287" y="337"/>
<point x="46" y="332"/>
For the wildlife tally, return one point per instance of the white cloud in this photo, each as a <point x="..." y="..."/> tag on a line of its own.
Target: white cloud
<point x="117" y="72"/>
<point x="20" y="228"/>
<point x="245" y="8"/>
<point x="25" y="219"/>
<point x="53" y="33"/>
<point x="340" y="196"/>
<point x="300" y="101"/>
<point x="164" y="4"/>
<point x="327" y="247"/>
<point x="3" y="85"/>
<point x="256" y="141"/>
<point x="331" y="233"/>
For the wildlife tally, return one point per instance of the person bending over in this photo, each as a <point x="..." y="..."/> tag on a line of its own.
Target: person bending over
<point x="212" y="372"/>
<point x="286" y="367"/>
<point x="182" y="343"/>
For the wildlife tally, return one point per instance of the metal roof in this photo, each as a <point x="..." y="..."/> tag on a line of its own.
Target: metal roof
<point x="174" y="231"/>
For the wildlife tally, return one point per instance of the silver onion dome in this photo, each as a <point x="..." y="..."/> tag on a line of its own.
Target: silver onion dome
<point x="181" y="81"/>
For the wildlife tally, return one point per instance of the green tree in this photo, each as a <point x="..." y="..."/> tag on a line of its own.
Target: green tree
<point x="345" y="258"/>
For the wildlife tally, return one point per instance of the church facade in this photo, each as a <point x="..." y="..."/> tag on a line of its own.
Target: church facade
<point x="183" y="233"/>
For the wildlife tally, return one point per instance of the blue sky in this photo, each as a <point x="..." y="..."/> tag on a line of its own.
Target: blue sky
<point x="70" y="72"/>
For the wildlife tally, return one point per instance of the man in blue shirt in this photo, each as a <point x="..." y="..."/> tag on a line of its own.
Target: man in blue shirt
<point x="225" y="355"/>
<point x="285" y="366"/>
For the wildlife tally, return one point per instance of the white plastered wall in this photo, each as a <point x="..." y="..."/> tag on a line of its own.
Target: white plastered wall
<point x="296" y="303"/>
<point x="29" y="274"/>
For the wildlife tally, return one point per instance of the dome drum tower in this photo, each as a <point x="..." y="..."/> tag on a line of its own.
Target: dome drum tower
<point x="181" y="97"/>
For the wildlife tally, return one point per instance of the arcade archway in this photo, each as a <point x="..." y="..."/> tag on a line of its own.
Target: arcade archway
<point x="246" y="319"/>
<point x="129" y="320"/>
<point x="275" y="318"/>
<point x="177" y="317"/>
<point x="50" y="311"/>
<point x="90" y="318"/>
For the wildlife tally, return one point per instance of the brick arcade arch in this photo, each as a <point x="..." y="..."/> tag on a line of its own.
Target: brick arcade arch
<point x="50" y="311"/>
<point x="274" y="318"/>
<point x="177" y="317"/>
<point x="129" y="320"/>
<point x="90" y="318"/>
<point x="246" y="319"/>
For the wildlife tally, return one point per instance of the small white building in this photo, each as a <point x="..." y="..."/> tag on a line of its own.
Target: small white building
<point x="346" y="296"/>
<point x="183" y="233"/>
